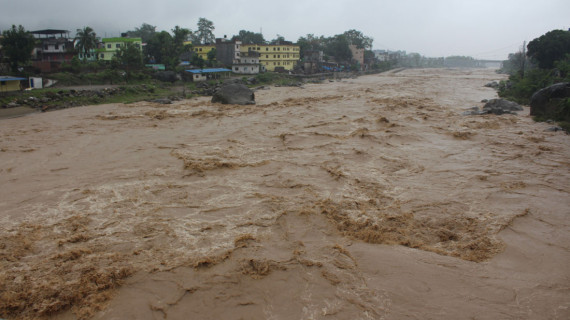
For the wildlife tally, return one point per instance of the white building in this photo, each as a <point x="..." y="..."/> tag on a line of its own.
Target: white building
<point x="247" y="63"/>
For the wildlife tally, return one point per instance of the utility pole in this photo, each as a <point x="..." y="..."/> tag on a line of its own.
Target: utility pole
<point x="523" y="58"/>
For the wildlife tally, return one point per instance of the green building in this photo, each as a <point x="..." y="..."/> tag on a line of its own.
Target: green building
<point x="110" y="45"/>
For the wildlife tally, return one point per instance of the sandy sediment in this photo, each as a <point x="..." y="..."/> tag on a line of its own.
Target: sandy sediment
<point x="368" y="198"/>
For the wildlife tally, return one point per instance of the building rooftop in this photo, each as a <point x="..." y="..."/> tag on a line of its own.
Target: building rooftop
<point x="211" y="70"/>
<point x="50" y="32"/>
<point x="9" y="78"/>
<point x="119" y="39"/>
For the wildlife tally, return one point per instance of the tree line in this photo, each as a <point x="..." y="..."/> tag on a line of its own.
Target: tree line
<point x="167" y="47"/>
<point x="543" y="62"/>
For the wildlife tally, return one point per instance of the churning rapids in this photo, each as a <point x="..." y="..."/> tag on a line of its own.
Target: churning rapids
<point x="367" y="198"/>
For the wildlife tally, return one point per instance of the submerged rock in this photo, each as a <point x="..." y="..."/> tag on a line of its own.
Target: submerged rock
<point x="494" y="106"/>
<point x="162" y="101"/>
<point x="501" y="106"/>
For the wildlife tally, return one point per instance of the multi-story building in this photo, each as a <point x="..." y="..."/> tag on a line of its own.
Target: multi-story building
<point x="247" y="63"/>
<point x="227" y="52"/>
<point x="357" y="55"/>
<point x="109" y="46"/>
<point x="275" y="56"/>
<point x="202" y="50"/>
<point x="52" y="49"/>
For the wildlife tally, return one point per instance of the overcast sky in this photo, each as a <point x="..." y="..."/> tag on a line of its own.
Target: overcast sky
<point x="488" y="29"/>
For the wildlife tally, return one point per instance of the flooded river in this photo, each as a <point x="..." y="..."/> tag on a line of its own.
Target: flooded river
<point x="366" y="198"/>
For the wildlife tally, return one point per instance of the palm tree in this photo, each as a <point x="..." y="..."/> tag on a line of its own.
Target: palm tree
<point x="86" y="40"/>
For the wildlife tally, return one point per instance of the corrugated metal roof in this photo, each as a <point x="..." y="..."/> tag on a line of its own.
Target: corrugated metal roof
<point x="212" y="70"/>
<point x="8" y="78"/>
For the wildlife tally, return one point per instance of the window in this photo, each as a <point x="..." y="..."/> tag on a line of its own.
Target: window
<point x="279" y="56"/>
<point x="236" y="68"/>
<point x="200" y="49"/>
<point x="257" y="48"/>
<point x="108" y="46"/>
<point x="3" y="83"/>
<point x="267" y="56"/>
<point x="266" y="49"/>
<point x="102" y="56"/>
<point x="56" y="46"/>
<point x="118" y="45"/>
<point x="45" y="47"/>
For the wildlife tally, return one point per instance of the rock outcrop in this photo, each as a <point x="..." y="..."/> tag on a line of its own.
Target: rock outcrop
<point x="550" y="102"/>
<point x="234" y="93"/>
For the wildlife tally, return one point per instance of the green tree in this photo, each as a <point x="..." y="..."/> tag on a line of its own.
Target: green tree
<point x="249" y="37"/>
<point x="145" y="32"/>
<point x="514" y="64"/>
<point x="160" y="48"/>
<point x="166" y="49"/>
<point x="205" y="32"/>
<point x="17" y="44"/>
<point x="310" y="43"/>
<point x="181" y="35"/>
<point x="211" y="57"/>
<point x="278" y="40"/>
<point x="86" y="40"/>
<point x="358" y="39"/>
<point x="129" y="57"/>
<point x="337" y="47"/>
<point x="198" y="61"/>
<point x="549" y="48"/>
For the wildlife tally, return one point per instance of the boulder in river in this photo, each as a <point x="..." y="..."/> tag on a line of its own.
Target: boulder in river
<point x="234" y="93"/>
<point x="501" y="106"/>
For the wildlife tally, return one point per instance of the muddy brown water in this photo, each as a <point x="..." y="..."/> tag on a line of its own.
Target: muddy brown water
<point x="367" y="198"/>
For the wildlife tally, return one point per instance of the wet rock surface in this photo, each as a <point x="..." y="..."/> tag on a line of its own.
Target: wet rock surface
<point x="234" y="93"/>
<point x="495" y="106"/>
<point x="549" y="102"/>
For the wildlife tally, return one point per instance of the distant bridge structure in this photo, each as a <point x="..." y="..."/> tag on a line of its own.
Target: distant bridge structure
<point x="490" y="63"/>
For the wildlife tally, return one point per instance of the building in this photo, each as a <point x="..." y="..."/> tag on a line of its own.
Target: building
<point x="357" y="55"/>
<point x="247" y="63"/>
<point x="202" y="50"/>
<point x="8" y="84"/>
<point x="207" y="74"/>
<point x="53" y="48"/>
<point x="228" y="52"/>
<point x="275" y="57"/>
<point x="109" y="46"/>
<point x="386" y="55"/>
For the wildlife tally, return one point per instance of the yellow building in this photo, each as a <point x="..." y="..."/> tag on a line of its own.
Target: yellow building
<point x="272" y="56"/>
<point x="202" y="50"/>
<point x="8" y="83"/>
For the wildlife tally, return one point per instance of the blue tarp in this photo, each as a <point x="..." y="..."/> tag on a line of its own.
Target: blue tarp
<point x="212" y="70"/>
<point x="7" y="78"/>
